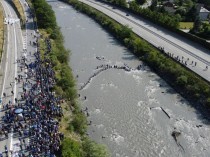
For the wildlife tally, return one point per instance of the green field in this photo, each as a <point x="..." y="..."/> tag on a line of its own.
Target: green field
<point x="186" y="25"/>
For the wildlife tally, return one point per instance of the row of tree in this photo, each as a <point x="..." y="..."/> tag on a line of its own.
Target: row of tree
<point x="65" y="87"/>
<point x="201" y="29"/>
<point x="155" y="16"/>
<point x="186" y="82"/>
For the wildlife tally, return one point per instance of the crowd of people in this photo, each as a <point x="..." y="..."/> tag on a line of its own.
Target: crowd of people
<point x="106" y="67"/>
<point x="182" y="59"/>
<point x="33" y="117"/>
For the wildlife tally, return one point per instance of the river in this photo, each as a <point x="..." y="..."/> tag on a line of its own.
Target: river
<point x="133" y="112"/>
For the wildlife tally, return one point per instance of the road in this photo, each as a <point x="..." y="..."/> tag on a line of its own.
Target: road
<point x="17" y="46"/>
<point x="195" y="56"/>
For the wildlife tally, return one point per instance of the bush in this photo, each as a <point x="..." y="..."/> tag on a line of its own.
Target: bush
<point x="44" y="14"/>
<point x="182" y="80"/>
<point x="94" y="150"/>
<point x="208" y="102"/>
<point x="71" y="148"/>
<point x="79" y="123"/>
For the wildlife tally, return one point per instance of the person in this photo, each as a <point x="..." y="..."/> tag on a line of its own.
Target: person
<point x="6" y="150"/>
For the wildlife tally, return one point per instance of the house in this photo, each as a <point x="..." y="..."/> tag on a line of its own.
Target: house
<point x="203" y="14"/>
<point x="169" y="7"/>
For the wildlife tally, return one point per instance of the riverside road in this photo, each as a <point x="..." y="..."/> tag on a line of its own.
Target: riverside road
<point x="192" y="55"/>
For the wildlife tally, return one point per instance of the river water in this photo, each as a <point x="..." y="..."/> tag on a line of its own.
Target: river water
<point x="132" y="112"/>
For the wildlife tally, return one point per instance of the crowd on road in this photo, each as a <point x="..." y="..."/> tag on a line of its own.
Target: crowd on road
<point x="181" y="59"/>
<point x="32" y="118"/>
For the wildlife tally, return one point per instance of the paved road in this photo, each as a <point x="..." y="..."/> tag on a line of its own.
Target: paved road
<point x="17" y="46"/>
<point x="172" y="43"/>
<point x="14" y="44"/>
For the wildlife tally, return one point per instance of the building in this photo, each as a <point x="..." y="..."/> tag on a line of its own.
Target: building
<point x="203" y="14"/>
<point x="169" y="7"/>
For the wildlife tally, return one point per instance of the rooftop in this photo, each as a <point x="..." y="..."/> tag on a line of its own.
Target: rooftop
<point x="204" y="10"/>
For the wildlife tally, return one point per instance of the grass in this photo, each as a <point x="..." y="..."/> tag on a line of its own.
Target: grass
<point x="186" y="25"/>
<point x="20" y="9"/>
<point x="1" y="30"/>
<point x="65" y="121"/>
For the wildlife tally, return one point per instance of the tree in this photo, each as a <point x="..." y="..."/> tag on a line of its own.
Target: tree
<point x="133" y="5"/>
<point x="192" y="14"/>
<point x="154" y="4"/>
<point x="121" y="3"/>
<point x="71" y="148"/>
<point x="179" y="2"/>
<point x="125" y="32"/>
<point x="189" y="3"/>
<point x="208" y="17"/>
<point x="141" y="2"/>
<point x="94" y="150"/>
<point x="182" y="80"/>
<point x="45" y="15"/>
<point x="181" y="10"/>
<point x="197" y="25"/>
<point x="79" y="123"/>
<point x="208" y="102"/>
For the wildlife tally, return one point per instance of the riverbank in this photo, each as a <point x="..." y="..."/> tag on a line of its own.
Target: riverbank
<point x="187" y="83"/>
<point x="1" y="30"/>
<point x="73" y="123"/>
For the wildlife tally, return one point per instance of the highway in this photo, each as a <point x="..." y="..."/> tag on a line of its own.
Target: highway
<point x="196" y="57"/>
<point x="17" y="46"/>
